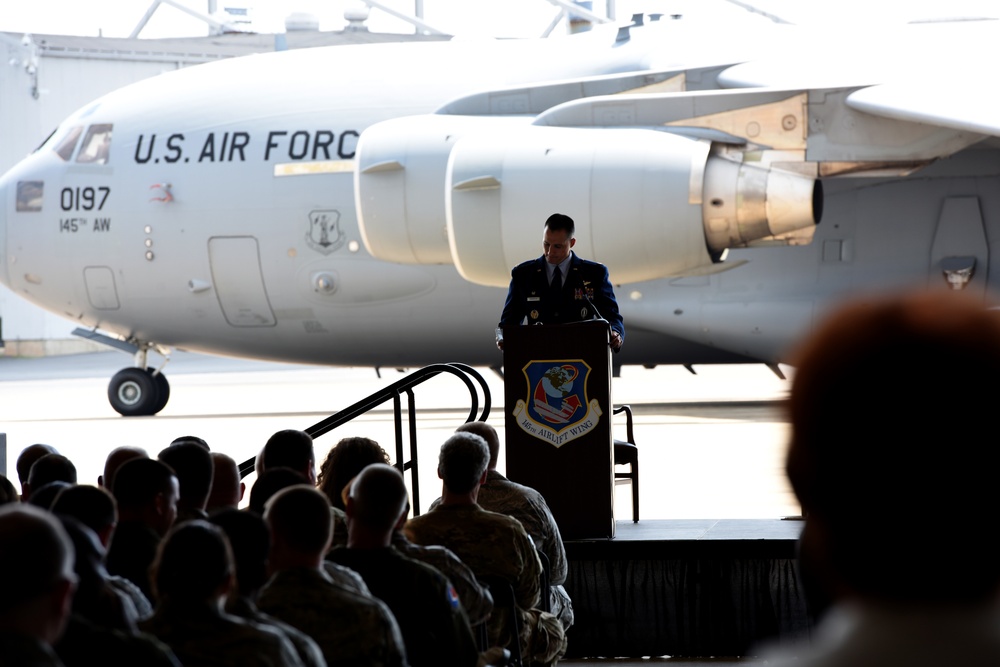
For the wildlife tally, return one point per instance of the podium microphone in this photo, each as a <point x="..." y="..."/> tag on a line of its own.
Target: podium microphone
<point x="597" y="314"/>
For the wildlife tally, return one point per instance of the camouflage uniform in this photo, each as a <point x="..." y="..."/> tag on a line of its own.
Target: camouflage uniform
<point x="351" y="629"/>
<point x="476" y="599"/>
<point x="496" y="545"/>
<point x="346" y="578"/>
<point x="307" y="649"/>
<point x="129" y="591"/>
<point x="499" y="494"/>
<point x="131" y="552"/>
<point x="82" y="640"/>
<point x="202" y="636"/>
<point x="426" y="606"/>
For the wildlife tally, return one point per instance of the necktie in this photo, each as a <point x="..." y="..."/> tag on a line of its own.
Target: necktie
<point x="556" y="281"/>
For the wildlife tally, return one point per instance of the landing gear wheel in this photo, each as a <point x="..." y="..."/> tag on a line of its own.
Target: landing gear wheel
<point x="163" y="389"/>
<point x="134" y="392"/>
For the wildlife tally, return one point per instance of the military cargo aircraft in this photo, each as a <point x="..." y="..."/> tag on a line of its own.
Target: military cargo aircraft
<point x="363" y="205"/>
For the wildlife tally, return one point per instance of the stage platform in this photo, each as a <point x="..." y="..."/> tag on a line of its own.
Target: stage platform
<point x="686" y="588"/>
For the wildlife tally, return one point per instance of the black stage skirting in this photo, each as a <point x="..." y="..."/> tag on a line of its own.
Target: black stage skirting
<point x="686" y="588"/>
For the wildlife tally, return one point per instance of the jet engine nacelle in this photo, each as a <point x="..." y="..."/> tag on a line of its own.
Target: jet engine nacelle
<point x="400" y="188"/>
<point x="649" y="204"/>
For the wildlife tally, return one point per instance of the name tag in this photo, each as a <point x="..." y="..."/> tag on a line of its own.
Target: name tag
<point x="534" y="298"/>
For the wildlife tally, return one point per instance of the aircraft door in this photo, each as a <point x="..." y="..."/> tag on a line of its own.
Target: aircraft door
<point x="101" y="290"/>
<point x="239" y="281"/>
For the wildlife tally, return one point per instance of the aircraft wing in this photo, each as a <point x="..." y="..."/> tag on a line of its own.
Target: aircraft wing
<point x="535" y="98"/>
<point x="966" y="107"/>
<point x="864" y="126"/>
<point x="695" y="172"/>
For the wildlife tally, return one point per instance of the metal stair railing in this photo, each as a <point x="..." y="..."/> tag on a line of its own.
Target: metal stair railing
<point x="394" y="392"/>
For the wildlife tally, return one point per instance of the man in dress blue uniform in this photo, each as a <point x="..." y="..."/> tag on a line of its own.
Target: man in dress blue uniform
<point x="559" y="287"/>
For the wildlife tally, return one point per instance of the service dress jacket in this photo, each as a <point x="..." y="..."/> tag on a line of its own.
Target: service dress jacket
<point x="586" y="294"/>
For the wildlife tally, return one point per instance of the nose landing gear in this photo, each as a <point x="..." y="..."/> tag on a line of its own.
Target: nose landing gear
<point x="140" y="390"/>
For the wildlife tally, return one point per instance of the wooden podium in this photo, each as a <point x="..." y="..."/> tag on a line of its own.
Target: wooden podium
<point x="557" y="393"/>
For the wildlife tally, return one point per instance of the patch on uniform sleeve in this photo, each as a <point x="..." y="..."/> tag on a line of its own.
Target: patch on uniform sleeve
<point x="453" y="597"/>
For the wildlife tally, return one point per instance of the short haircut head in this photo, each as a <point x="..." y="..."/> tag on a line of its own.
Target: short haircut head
<point x="250" y="539"/>
<point x="35" y="554"/>
<point x="288" y="449"/>
<point x="269" y="483"/>
<point x="115" y="459"/>
<point x="226" y="482"/>
<point x="27" y="458"/>
<point x="301" y="519"/>
<point x="190" y="438"/>
<point x="487" y="433"/>
<point x="51" y="468"/>
<point x="346" y="459"/>
<point x="378" y="496"/>
<point x="8" y="494"/>
<point x="192" y="464"/>
<point x="193" y="562"/>
<point x="559" y="222"/>
<point x="92" y="506"/>
<point x="462" y="461"/>
<point x="46" y="495"/>
<point x="882" y="394"/>
<point x="139" y="481"/>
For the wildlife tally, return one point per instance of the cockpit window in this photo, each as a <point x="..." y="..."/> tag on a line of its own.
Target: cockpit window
<point x="96" y="145"/>
<point x="65" y="147"/>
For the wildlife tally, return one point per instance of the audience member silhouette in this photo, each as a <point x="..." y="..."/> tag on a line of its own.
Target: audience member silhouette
<point x="102" y="622"/>
<point x="290" y="449"/>
<point x="499" y="494"/>
<point x="47" y="469"/>
<point x="46" y="494"/>
<point x="886" y="405"/>
<point x="37" y="583"/>
<point x="8" y="494"/>
<point x="95" y="507"/>
<point x="269" y="483"/>
<point x="250" y="539"/>
<point x="114" y="460"/>
<point x="435" y="628"/>
<point x="27" y="458"/>
<point x="343" y="463"/>
<point x="493" y="545"/>
<point x="193" y="572"/>
<point x="351" y="629"/>
<point x="146" y="491"/>
<point x="192" y="464"/>
<point x="190" y="438"/>
<point x="227" y="487"/>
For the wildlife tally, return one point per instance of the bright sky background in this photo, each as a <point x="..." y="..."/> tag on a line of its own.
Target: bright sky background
<point x="500" y="18"/>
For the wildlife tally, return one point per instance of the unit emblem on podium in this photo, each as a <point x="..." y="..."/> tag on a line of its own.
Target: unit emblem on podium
<point x="556" y="408"/>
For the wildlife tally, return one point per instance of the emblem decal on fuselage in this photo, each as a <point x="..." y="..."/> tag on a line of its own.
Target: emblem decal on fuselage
<point x="324" y="233"/>
<point x="556" y="408"/>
